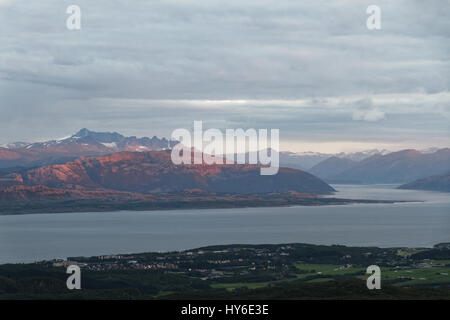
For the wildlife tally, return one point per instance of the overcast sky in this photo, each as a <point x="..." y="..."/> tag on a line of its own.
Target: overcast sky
<point x="309" y="68"/>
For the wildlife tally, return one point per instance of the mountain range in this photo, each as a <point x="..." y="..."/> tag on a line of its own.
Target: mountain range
<point x="83" y="143"/>
<point x="91" y="143"/>
<point x="307" y="160"/>
<point x="395" y="167"/>
<point x="95" y="171"/>
<point x="370" y="166"/>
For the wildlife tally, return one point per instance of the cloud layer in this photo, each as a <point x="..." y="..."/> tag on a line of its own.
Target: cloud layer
<point x="309" y="68"/>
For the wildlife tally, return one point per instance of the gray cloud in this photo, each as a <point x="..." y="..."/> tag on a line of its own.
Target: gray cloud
<point x="310" y="69"/>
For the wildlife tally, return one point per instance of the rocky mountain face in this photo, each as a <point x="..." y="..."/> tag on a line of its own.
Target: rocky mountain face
<point x="83" y="143"/>
<point x="154" y="172"/>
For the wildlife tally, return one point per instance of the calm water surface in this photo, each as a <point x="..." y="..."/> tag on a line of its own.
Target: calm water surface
<point x="27" y="238"/>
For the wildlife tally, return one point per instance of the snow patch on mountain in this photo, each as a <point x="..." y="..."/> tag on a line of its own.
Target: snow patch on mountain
<point x="110" y="145"/>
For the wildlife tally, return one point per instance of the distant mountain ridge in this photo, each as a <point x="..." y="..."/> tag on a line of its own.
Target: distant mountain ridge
<point x="396" y="167"/>
<point x="433" y="183"/>
<point x="91" y="143"/>
<point x="307" y="160"/>
<point x="83" y="143"/>
<point x="109" y="140"/>
<point x="331" y="167"/>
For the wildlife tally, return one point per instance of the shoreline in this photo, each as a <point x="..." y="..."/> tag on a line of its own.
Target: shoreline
<point x="209" y="247"/>
<point x="49" y="207"/>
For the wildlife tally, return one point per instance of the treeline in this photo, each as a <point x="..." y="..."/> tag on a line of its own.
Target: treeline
<point x="338" y="290"/>
<point x="37" y="282"/>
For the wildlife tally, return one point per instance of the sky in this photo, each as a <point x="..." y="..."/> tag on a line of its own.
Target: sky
<point x="311" y="69"/>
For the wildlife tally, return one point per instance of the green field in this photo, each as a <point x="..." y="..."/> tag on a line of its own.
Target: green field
<point x="418" y="276"/>
<point x="312" y="273"/>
